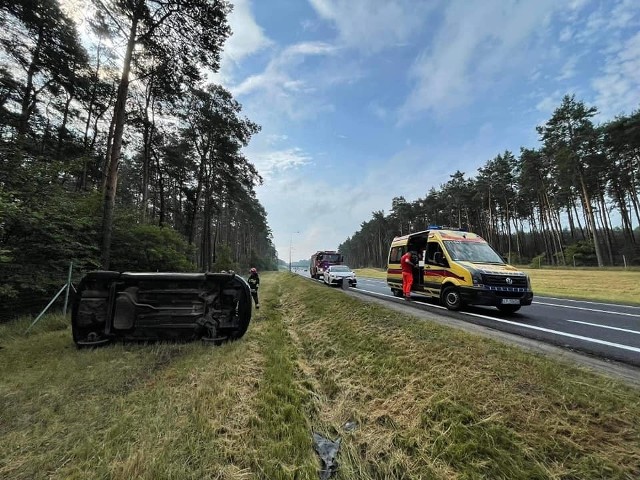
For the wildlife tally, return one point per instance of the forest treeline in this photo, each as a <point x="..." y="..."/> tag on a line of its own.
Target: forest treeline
<point x="573" y="200"/>
<point x="116" y="153"/>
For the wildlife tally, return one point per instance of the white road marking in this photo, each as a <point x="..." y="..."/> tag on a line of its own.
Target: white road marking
<point x="605" y="326"/>
<point x="586" y="301"/>
<point x="556" y="332"/>
<point x="412" y="301"/>
<point x="590" y="309"/>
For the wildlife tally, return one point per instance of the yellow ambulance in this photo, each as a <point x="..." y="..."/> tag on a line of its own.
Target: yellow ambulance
<point x="459" y="268"/>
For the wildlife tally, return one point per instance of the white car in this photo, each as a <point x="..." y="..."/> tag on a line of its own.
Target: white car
<point x="336" y="274"/>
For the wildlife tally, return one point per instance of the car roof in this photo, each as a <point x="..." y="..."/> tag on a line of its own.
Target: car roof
<point x="444" y="234"/>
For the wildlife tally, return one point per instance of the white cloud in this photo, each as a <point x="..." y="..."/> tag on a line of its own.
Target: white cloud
<point x="270" y="163"/>
<point x="568" y="70"/>
<point x="274" y="139"/>
<point x="550" y="102"/>
<point x="306" y="48"/>
<point x="624" y="15"/>
<point x="617" y="89"/>
<point x="372" y="25"/>
<point x="578" y="4"/>
<point x="609" y="17"/>
<point x="284" y="86"/>
<point x="247" y="39"/>
<point x="566" y="34"/>
<point x="476" y="43"/>
<point x="378" y="110"/>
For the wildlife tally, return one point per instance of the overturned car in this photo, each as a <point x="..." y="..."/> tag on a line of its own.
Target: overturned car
<point x="112" y="306"/>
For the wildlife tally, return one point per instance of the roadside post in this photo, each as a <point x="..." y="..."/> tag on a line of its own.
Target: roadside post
<point x="66" y="296"/>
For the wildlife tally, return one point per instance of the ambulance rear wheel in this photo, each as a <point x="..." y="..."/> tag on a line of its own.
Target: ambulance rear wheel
<point x="396" y="292"/>
<point x="451" y="298"/>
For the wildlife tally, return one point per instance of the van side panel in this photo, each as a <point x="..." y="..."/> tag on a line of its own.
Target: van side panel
<point x="480" y="280"/>
<point x="394" y="270"/>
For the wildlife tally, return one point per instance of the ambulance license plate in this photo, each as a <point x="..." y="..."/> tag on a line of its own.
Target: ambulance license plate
<point x="510" y="301"/>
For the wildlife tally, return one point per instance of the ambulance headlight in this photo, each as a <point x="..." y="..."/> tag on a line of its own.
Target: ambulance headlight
<point x="477" y="278"/>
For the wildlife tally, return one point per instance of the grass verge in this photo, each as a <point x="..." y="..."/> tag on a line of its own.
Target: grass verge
<point x="421" y="401"/>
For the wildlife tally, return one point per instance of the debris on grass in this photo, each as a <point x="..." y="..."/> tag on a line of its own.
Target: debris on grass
<point x="328" y="451"/>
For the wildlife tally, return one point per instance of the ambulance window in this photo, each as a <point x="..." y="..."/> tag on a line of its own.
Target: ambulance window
<point x="395" y="254"/>
<point x="432" y="248"/>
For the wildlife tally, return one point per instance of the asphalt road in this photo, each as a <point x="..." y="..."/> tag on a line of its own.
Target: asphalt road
<point x="604" y="330"/>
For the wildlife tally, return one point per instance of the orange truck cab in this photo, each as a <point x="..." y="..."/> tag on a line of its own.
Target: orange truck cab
<point x="458" y="268"/>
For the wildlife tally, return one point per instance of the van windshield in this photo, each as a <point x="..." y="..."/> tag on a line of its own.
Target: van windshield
<point x="475" y="252"/>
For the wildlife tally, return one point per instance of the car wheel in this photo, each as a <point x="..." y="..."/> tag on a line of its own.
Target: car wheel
<point x="451" y="298"/>
<point x="396" y="292"/>
<point x="508" y="308"/>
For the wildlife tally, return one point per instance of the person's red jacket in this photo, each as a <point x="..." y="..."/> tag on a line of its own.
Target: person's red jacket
<point x="406" y="267"/>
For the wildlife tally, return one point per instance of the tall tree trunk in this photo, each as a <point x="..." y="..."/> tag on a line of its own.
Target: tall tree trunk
<point x="107" y="155"/>
<point x="196" y="201"/>
<point x="147" y="141"/>
<point x="605" y="220"/>
<point x="62" y="132"/>
<point x="27" y="99"/>
<point x="583" y="234"/>
<point x="591" y="221"/>
<point x="119" y="114"/>
<point x="161" y="214"/>
<point x="572" y="226"/>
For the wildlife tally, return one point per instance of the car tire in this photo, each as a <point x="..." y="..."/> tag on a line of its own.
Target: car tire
<point x="396" y="293"/>
<point x="451" y="298"/>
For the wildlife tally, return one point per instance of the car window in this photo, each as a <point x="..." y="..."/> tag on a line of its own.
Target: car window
<point x="340" y="268"/>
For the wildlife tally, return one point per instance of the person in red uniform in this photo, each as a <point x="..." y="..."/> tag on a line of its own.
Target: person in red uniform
<point x="407" y="265"/>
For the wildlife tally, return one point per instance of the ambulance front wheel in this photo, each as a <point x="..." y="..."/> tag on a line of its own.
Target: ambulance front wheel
<point x="451" y="298"/>
<point x="396" y="292"/>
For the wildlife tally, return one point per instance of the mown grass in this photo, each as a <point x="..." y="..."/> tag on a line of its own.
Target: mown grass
<point x="183" y="411"/>
<point x="604" y="285"/>
<point x="426" y="402"/>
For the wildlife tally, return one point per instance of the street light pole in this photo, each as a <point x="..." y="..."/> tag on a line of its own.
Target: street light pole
<point x="290" y="248"/>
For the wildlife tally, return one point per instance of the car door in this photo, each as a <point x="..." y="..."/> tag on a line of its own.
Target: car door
<point x="434" y="268"/>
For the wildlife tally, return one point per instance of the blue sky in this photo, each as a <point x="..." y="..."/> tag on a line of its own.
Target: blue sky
<point x="364" y="100"/>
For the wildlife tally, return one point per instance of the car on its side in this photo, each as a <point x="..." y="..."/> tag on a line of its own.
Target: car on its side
<point x="165" y="306"/>
<point x="337" y="274"/>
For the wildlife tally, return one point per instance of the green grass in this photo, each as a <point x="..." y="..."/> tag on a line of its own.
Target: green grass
<point x="614" y="285"/>
<point x="427" y="402"/>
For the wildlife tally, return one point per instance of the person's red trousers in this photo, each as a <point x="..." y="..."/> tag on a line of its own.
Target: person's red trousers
<point x="407" y="281"/>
